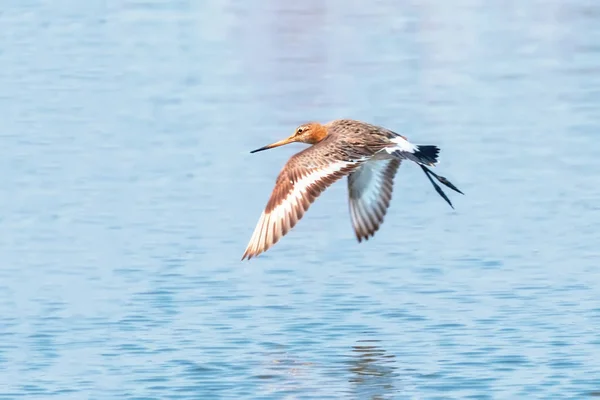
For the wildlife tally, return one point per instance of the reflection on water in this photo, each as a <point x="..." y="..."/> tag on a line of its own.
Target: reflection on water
<point x="280" y="371"/>
<point x="372" y="370"/>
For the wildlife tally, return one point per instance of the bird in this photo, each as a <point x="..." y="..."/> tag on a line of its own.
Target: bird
<point x="369" y="155"/>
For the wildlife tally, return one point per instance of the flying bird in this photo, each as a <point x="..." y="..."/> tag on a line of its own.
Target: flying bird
<point x="368" y="154"/>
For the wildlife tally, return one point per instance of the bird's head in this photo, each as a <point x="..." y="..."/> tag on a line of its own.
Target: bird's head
<point x="311" y="133"/>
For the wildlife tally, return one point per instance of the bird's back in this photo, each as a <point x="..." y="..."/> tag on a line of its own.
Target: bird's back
<point x="365" y="138"/>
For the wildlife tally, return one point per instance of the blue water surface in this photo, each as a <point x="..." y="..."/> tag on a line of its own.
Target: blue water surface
<point x="128" y="196"/>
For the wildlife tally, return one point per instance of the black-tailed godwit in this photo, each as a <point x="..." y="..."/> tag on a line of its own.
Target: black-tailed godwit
<point x="370" y="155"/>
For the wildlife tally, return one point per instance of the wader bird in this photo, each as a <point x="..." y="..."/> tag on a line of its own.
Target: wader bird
<point x="370" y="155"/>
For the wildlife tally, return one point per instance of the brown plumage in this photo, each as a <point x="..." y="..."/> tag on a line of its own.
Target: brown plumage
<point x="369" y="155"/>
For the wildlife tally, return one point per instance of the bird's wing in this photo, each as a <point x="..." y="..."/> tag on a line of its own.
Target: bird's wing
<point x="370" y="191"/>
<point x="305" y="176"/>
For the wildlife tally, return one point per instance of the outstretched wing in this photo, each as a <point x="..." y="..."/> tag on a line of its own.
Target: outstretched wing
<point x="370" y="191"/>
<point x="305" y="176"/>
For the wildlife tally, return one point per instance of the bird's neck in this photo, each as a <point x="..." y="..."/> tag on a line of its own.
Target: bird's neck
<point x="319" y="133"/>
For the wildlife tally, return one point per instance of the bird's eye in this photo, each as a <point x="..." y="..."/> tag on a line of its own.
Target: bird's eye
<point x="300" y="130"/>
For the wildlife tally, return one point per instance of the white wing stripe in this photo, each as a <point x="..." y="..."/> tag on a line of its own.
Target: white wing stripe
<point x="272" y="225"/>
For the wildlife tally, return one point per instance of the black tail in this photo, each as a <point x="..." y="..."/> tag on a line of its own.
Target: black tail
<point x="427" y="154"/>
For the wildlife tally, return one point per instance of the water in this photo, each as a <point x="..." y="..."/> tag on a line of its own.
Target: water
<point x="129" y="195"/>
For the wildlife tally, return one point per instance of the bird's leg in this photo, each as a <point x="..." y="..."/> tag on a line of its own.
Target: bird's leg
<point x="443" y="180"/>
<point x="437" y="187"/>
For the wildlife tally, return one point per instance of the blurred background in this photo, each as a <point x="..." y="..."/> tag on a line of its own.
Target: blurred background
<point x="128" y="195"/>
